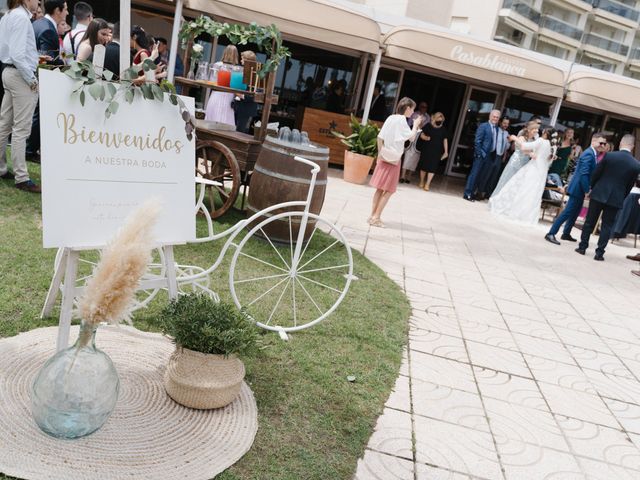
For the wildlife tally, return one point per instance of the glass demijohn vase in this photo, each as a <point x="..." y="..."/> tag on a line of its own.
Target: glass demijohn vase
<point x="76" y="390"/>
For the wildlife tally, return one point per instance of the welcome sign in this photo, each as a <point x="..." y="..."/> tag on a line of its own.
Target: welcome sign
<point x="95" y="170"/>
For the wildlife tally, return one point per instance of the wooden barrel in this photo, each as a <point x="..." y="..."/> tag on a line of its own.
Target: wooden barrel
<point x="278" y="178"/>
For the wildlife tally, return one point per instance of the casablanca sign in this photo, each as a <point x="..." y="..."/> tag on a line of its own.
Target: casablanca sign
<point x="95" y="171"/>
<point x="490" y="61"/>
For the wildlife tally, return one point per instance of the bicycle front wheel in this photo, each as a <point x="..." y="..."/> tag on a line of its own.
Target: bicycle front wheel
<point x="281" y="293"/>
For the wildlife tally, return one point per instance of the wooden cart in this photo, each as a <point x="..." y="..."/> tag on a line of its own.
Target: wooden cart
<point x="227" y="156"/>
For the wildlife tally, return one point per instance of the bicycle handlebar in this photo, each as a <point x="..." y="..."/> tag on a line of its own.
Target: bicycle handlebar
<point x="208" y="182"/>
<point x="315" y="168"/>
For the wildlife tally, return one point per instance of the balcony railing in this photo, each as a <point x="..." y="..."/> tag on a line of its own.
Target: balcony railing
<point x="561" y="27"/>
<point x="523" y="9"/>
<point x="635" y="54"/>
<point x="606" y="44"/>
<point x="628" y="3"/>
<point x="617" y="9"/>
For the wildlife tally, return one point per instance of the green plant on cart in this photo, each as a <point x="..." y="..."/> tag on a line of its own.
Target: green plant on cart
<point x="268" y="39"/>
<point x="103" y="87"/>
<point x="363" y="139"/>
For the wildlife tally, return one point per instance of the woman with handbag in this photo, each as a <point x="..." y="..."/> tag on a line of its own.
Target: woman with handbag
<point x="394" y="132"/>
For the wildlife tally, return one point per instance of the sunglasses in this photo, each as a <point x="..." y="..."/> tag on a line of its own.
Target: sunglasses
<point x="603" y="143"/>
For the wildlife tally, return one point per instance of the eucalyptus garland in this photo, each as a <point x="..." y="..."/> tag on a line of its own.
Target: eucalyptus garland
<point x="130" y="86"/>
<point x="268" y="39"/>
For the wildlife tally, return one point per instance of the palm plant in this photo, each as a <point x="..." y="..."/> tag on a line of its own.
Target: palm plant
<point x="363" y="139"/>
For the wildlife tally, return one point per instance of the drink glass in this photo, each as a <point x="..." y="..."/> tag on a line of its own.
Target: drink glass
<point x="213" y="73"/>
<point x="224" y="76"/>
<point x="202" y="72"/>
<point x="237" y="73"/>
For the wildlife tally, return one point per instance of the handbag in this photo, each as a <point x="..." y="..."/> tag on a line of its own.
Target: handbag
<point x="389" y="155"/>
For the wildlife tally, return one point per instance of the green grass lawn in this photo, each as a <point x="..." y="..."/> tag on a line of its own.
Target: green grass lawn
<point x="313" y="423"/>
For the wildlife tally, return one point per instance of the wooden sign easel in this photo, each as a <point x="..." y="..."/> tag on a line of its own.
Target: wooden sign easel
<point x="67" y="269"/>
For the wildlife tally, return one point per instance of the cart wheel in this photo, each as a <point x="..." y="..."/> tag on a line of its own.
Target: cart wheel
<point x="89" y="259"/>
<point x="278" y="295"/>
<point x="214" y="161"/>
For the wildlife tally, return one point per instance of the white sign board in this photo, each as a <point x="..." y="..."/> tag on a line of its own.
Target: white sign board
<point x="95" y="171"/>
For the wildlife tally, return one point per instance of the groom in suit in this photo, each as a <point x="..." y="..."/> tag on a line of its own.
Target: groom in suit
<point x="578" y="187"/>
<point x="484" y="153"/>
<point x="611" y="182"/>
<point x="489" y="179"/>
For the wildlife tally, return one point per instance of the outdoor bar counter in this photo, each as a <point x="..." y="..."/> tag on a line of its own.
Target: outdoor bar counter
<point x="319" y="124"/>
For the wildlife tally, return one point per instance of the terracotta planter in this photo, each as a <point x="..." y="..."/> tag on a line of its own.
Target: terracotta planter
<point x="203" y="381"/>
<point x="356" y="167"/>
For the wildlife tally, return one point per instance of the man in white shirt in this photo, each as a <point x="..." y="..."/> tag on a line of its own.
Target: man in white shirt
<point x="83" y="12"/>
<point x="48" y="44"/>
<point x="19" y="55"/>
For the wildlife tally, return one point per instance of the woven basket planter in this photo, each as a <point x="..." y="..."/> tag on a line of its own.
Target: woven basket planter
<point x="203" y="381"/>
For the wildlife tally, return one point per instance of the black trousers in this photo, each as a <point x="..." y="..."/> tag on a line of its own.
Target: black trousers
<point x="488" y="177"/>
<point x="33" y="142"/>
<point x="608" y="219"/>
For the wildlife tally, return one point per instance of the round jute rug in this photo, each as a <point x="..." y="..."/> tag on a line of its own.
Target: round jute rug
<point x="148" y="436"/>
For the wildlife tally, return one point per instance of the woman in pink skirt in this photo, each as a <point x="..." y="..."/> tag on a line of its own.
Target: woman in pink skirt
<point x="394" y="132"/>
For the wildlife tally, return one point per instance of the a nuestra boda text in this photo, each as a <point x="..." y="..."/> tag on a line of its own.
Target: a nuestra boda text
<point x="108" y="161"/>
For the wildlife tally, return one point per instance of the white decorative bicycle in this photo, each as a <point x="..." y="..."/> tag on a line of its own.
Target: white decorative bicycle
<point x="296" y="282"/>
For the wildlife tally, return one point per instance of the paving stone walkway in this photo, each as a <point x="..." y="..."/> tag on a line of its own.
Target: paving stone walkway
<point x="524" y="357"/>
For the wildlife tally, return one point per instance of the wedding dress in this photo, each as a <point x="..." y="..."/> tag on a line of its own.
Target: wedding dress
<point x="519" y="199"/>
<point x="516" y="162"/>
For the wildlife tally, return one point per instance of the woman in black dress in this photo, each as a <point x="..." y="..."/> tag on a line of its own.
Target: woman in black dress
<point x="433" y="148"/>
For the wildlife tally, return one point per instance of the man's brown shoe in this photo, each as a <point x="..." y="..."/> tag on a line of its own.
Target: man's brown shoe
<point x="28" y="186"/>
<point x="635" y="272"/>
<point x="635" y="257"/>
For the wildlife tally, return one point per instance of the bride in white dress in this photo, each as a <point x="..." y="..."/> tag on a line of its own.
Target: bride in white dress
<point x="519" y="200"/>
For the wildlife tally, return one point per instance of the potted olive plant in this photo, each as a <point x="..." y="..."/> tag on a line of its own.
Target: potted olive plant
<point x="204" y="371"/>
<point x="362" y="147"/>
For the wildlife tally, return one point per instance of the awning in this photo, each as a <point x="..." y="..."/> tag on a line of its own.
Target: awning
<point x="310" y="19"/>
<point x="477" y="59"/>
<point x="604" y="91"/>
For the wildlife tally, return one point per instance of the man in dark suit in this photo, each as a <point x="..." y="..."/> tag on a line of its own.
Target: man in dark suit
<point x="163" y="57"/>
<point x="489" y="178"/>
<point x="47" y="43"/>
<point x="46" y="30"/>
<point x="611" y="182"/>
<point x="483" y="154"/>
<point x="112" y="52"/>
<point x="578" y="187"/>
<point x="378" y="109"/>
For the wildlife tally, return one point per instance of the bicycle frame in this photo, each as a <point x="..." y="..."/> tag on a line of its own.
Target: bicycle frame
<point x="233" y="231"/>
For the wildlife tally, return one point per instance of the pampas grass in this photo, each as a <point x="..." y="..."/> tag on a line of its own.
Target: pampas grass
<point x="110" y="291"/>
